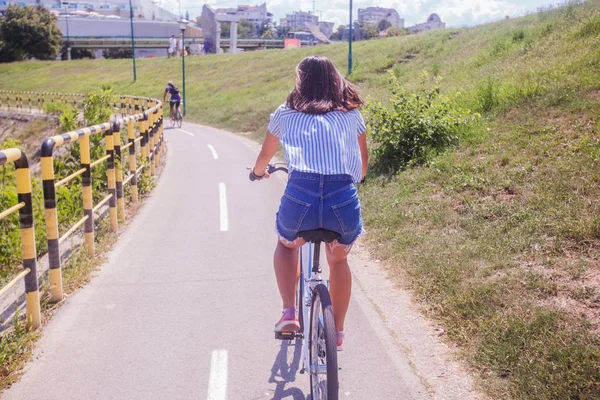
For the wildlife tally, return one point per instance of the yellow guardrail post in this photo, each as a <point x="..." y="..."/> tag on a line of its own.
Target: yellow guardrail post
<point x="144" y="131"/>
<point x="47" y="166"/>
<point x="26" y="223"/>
<point x="88" y="199"/>
<point x="123" y="112"/>
<point x="137" y="104"/>
<point x="110" y="174"/>
<point x="132" y="161"/>
<point x="155" y="134"/>
<point x="118" y="168"/>
<point x="151" y="129"/>
<point x="49" y="186"/>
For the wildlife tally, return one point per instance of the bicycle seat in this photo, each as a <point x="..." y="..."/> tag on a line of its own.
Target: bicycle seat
<point x="319" y="235"/>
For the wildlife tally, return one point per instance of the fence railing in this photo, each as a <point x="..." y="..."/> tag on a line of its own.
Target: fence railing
<point x="29" y="101"/>
<point x="35" y="101"/>
<point x="26" y="224"/>
<point x="149" y="115"/>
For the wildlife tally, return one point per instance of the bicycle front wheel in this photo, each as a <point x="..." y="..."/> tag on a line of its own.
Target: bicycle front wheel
<point x="322" y="345"/>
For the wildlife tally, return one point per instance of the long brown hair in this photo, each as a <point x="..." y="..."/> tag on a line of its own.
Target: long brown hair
<point x="320" y="88"/>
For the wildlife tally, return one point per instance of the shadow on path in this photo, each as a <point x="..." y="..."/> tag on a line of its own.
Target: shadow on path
<point x="284" y="371"/>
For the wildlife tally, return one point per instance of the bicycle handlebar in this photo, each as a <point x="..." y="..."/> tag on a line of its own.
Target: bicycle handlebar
<point x="270" y="169"/>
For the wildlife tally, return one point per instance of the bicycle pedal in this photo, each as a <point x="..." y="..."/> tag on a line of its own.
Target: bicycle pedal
<point x="285" y="335"/>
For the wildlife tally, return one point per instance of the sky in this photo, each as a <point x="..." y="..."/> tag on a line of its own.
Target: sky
<point x="456" y="13"/>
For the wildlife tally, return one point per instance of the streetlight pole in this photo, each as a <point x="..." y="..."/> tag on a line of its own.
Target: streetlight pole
<point x="182" y="26"/>
<point x="65" y="3"/>
<point x="132" y="41"/>
<point x="350" y="42"/>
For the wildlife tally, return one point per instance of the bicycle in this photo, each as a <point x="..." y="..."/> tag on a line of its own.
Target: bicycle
<point x="177" y="118"/>
<point x="319" y="353"/>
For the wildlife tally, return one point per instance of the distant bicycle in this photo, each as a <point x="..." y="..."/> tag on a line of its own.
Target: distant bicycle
<point x="319" y="352"/>
<point x="177" y="118"/>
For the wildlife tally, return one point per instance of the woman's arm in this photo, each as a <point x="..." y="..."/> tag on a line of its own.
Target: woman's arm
<point x="364" y="153"/>
<point x="269" y="148"/>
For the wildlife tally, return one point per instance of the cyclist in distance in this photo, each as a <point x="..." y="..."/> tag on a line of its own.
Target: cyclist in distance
<point x="324" y="139"/>
<point x="175" y="99"/>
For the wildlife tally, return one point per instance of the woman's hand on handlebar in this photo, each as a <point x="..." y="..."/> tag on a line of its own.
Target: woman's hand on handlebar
<point x="255" y="177"/>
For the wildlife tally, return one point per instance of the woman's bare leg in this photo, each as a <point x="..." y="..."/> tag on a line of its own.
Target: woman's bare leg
<point x="340" y="279"/>
<point x="287" y="270"/>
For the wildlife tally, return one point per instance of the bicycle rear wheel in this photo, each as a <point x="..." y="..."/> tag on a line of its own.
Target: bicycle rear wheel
<point x="322" y="346"/>
<point x="179" y="118"/>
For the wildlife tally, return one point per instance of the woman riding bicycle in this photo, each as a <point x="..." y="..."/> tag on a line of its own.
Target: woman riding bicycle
<point x="175" y="99"/>
<point x="323" y="135"/>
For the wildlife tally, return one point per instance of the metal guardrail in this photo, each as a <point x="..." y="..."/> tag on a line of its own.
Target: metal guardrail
<point x="149" y="114"/>
<point x="35" y="100"/>
<point x="25" y="209"/>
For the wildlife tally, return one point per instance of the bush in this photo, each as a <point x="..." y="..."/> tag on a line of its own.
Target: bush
<point x="117" y="53"/>
<point x="393" y="31"/>
<point x="414" y="127"/>
<point x="488" y="95"/>
<point x="67" y="115"/>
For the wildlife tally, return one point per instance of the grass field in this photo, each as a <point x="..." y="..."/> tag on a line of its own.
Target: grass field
<point x="499" y="237"/>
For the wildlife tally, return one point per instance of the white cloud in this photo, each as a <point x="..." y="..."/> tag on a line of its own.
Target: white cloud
<point x="455" y="13"/>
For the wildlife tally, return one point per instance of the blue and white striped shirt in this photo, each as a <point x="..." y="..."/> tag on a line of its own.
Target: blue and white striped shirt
<point x="320" y="143"/>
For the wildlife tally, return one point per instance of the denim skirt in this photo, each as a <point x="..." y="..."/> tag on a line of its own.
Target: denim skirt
<point x="315" y="201"/>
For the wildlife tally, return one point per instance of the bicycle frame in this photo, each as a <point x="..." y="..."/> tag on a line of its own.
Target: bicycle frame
<point x="309" y="279"/>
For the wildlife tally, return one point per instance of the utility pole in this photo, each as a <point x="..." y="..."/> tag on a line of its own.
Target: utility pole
<point x="65" y="3"/>
<point x="350" y="42"/>
<point x="132" y="41"/>
<point x="182" y="27"/>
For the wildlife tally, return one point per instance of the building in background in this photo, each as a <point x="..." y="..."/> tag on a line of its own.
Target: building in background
<point x="142" y="9"/>
<point x="372" y="16"/>
<point x="257" y="14"/>
<point x="433" y="23"/>
<point x="298" y="19"/>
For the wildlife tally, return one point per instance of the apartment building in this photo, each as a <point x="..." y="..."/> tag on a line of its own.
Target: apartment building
<point x="372" y="16"/>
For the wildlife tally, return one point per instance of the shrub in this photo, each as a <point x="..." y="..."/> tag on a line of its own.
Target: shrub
<point x="68" y="117"/>
<point x="591" y="27"/>
<point x="414" y="126"/>
<point x="488" y="95"/>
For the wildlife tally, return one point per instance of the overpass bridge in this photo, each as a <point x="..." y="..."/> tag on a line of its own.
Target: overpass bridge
<point x="84" y="42"/>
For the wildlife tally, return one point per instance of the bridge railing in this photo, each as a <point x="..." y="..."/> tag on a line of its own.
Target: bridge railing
<point x="148" y="145"/>
<point x="26" y="224"/>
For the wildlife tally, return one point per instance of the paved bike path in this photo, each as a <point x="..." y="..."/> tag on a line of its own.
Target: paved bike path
<point x="185" y="305"/>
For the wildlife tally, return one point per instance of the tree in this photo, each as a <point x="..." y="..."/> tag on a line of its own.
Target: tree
<point x="117" y="53"/>
<point x="370" y="32"/>
<point x="268" y="35"/>
<point x="187" y="15"/>
<point x="246" y="28"/>
<point x="339" y="34"/>
<point x="282" y="31"/>
<point x="77" y="54"/>
<point x="225" y="29"/>
<point x="383" y="25"/>
<point x="30" y="32"/>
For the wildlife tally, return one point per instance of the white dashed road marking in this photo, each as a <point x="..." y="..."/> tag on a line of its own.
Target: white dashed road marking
<point x="223" y="206"/>
<point x="217" y="382"/>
